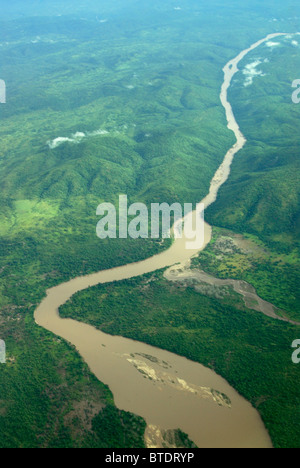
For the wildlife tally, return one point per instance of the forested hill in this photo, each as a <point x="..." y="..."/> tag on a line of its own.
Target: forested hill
<point x="262" y="195"/>
<point x="103" y="100"/>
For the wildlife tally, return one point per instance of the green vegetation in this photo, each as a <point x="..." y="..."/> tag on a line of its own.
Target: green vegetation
<point x="117" y="429"/>
<point x="261" y="197"/>
<point x="251" y="351"/>
<point x="275" y="275"/>
<point x="49" y="398"/>
<point x="150" y="77"/>
<point x="176" y="438"/>
<point x="66" y="75"/>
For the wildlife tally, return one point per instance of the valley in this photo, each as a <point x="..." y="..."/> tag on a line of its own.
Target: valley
<point x="143" y="88"/>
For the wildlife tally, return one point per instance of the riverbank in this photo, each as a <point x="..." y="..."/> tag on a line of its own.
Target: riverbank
<point x="88" y="340"/>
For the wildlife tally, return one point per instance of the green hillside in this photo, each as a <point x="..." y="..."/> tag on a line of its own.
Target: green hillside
<point x="262" y="195"/>
<point x="133" y="96"/>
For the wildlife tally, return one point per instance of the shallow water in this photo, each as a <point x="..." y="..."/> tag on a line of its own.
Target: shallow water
<point x="167" y="390"/>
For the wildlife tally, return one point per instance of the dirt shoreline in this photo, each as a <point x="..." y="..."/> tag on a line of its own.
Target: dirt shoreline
<point x="184" y="274"/>
<point x="206" y="424"/>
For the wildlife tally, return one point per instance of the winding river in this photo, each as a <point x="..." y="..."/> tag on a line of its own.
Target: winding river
<point x="167" y="390"/>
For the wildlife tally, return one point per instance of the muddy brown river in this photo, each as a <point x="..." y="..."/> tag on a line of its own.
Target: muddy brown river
<point x="167" y="390"/>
